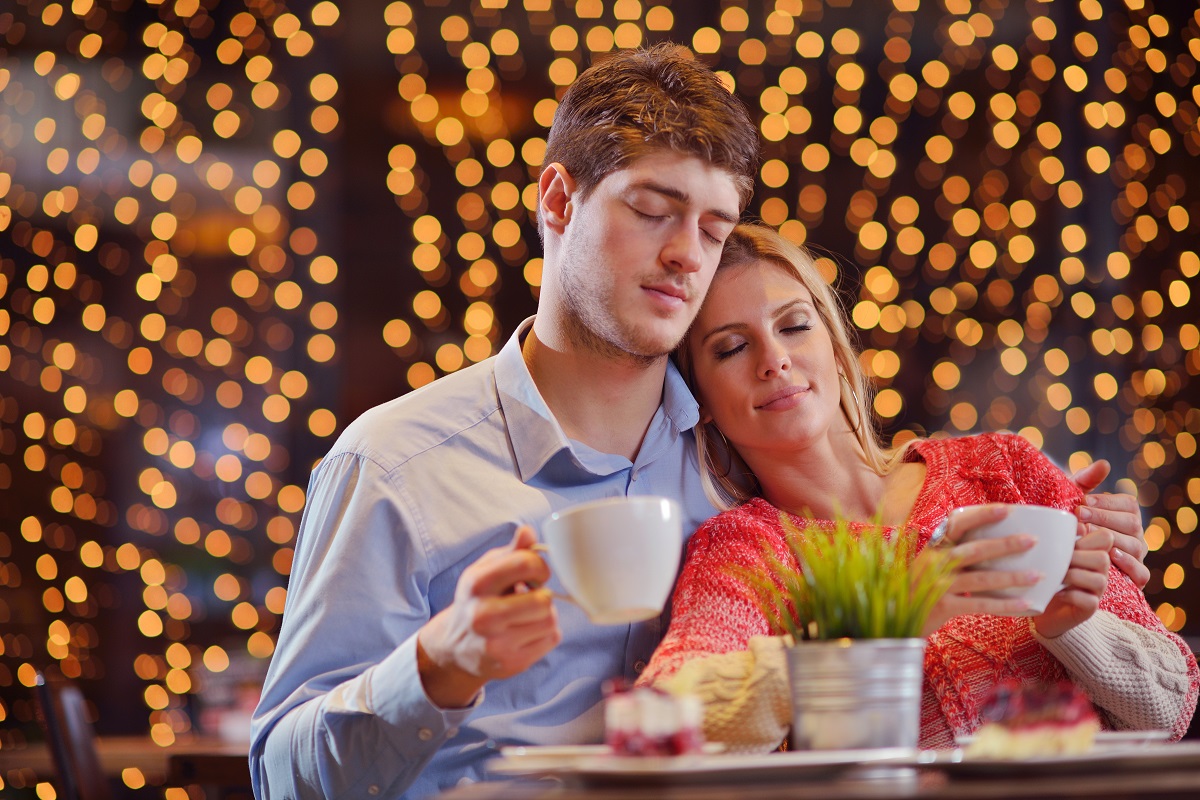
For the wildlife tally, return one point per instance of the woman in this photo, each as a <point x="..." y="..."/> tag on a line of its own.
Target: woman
<point x="785" y="426"/>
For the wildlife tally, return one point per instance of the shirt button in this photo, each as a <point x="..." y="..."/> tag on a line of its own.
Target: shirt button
<point x="424" y="734"/>
<point x="638" y="666"/>
<point x="372" y="790"/>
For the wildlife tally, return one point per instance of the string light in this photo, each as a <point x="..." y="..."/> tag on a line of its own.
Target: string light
<point x="1006" y="193"/>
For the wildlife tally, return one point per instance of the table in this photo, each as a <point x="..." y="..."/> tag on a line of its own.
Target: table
<point x="207" y="761"/>
<point x="924" y="785"/>
<point x="1179" y="780"/>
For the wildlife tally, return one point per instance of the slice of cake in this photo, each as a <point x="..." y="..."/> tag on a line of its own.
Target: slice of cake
<point x="1032" y="721"/>
<point x="650" y="722"/>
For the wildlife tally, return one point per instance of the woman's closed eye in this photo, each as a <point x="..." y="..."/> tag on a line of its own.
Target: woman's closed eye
<point x="725" y="351"/>
<point x="798" y="328"/>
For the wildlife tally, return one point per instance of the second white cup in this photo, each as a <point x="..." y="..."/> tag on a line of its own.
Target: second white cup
<point x="1050" y="555"/>
<point x="616" y="558"/>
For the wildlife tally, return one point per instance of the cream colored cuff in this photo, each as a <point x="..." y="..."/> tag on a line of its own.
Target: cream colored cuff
<point x="1138" y="676"/>
<point x="747" y="702"/>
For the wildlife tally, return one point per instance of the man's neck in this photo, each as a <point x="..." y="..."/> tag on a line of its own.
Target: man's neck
<point x="604" y="402"/>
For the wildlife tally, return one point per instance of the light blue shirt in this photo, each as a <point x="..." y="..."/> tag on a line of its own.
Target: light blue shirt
<point x="413" y="492"/>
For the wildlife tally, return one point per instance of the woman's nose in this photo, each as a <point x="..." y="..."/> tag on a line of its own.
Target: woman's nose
<point x="774" y="361"/>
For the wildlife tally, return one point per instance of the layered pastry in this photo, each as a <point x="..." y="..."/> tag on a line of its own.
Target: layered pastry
<point x="1030" y="721"/>
<point x="650" y="722"/>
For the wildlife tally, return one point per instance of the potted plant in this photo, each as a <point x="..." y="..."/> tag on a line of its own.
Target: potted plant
<point x="856" y="611"/>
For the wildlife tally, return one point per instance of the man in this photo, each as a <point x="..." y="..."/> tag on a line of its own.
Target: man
<point x="416" y="640"/>
<point x="411" y="585"/>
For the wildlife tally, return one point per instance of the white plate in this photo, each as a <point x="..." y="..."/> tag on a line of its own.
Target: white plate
<point x="597" y="764"/>
<point x="1135" y="757"/>
<point x="1106" y="738"/>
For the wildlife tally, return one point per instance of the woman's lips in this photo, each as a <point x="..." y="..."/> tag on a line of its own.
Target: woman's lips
<point x="782" y="400"/>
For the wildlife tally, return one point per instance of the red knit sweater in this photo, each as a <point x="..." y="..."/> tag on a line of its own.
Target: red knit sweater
<point x="713" y="612"/>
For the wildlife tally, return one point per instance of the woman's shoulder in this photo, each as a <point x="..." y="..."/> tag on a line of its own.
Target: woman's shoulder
<point x="755" y="515"/>
<point x="996" y="443"/>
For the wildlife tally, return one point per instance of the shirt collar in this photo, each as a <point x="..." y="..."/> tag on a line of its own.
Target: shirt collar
<point x="535" y="434"/>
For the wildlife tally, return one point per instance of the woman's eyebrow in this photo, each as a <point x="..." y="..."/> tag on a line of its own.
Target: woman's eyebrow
<point x="799" y="303"/>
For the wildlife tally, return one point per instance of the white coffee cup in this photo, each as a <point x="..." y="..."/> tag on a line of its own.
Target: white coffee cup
<point x="1054" y="532"/>
<point x="616" y="558"/>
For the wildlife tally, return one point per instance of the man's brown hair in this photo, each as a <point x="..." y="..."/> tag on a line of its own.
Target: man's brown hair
<point x="656" y="98"/>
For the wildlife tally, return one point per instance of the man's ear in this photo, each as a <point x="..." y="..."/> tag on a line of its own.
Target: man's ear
<point x="556" y="188"/>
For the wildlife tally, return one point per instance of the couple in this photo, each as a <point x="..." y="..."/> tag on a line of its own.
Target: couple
<point x="416" y="642"/>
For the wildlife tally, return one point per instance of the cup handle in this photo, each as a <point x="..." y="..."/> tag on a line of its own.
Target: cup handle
<point x="541" y="547"/>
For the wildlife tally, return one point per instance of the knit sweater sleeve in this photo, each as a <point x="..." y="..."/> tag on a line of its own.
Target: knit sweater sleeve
<point x="745" y="694"/>
<point x="713" y="610"/>
<point x="1141" y="674"/>
<point x="718" y="646"/>
<point x="1111" y="658"/>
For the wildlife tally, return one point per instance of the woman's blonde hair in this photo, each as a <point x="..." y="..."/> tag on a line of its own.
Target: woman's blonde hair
<point x="727" y="480"/>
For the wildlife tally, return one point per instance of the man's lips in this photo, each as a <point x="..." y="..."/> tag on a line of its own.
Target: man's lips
<point x="785" y="398"/>
<point x="668" y="289"/>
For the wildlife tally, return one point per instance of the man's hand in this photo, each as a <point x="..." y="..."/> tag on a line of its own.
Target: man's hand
<point x="1118" y="514"/>
<point x="499" y="624"/>
<point x="959" y="598"/>
<point x="1084" y="584"/>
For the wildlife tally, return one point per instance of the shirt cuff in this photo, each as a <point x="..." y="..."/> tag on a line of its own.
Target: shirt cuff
<point x="398" y="697"/>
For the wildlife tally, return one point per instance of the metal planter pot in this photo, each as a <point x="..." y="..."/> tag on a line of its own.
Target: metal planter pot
<point x="856" y="693"/>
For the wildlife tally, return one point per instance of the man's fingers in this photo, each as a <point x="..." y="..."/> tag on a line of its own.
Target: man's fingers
<point x="1132" y="546"/>
<point x="521" y="645"/>
<point x="500" y="575"/>
<point x="1113" y="501"/>
<point x="496" y="615"/>
<point x="1091" y="476"/>
<point x="524" y="538"/>
<point x="1119" y="520"/>
<point x="1138" y="572"/>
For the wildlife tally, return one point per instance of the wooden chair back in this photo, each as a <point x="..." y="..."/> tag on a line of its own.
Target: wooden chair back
<point x="72" y="741"/>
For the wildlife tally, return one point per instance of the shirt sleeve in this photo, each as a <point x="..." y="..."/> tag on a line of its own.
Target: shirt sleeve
<point x="1090" y="657"/>
<point x="343" y="711"/>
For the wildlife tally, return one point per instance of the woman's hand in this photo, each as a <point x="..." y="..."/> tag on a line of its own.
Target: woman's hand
<point x="960" y="598"/>
<point x="1085" y="582"/>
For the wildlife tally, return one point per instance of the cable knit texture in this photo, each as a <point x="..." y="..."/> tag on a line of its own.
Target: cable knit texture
<point x="720" y="645"/>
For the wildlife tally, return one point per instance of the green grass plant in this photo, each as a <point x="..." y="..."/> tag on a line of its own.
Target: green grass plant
<point x="851" y="584"/>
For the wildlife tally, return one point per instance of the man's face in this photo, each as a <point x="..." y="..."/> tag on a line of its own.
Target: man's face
<point x="638" y="254"/>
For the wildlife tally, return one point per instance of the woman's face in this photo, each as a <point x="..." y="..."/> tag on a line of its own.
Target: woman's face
<point x="763" y="361"/>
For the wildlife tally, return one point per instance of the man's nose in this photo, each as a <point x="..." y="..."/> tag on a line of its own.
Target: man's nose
<point x="684" y="251"/>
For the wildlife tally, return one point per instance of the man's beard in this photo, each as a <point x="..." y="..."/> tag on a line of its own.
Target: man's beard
<point x="589" y="327"/>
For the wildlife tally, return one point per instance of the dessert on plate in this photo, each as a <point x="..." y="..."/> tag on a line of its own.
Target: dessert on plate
<point x="651" y="722"/>
<point x="1035" y="721"/>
